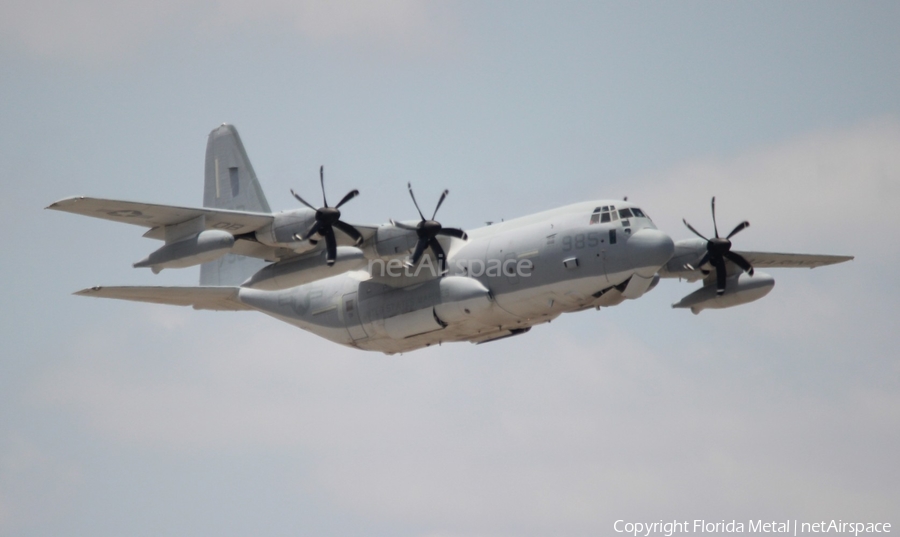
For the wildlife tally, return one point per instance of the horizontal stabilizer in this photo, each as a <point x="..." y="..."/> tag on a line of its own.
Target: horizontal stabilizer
<point x="201" y="298"/>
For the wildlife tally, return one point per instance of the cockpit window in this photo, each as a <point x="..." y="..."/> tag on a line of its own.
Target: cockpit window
<point x="637" y="212"/>
<point x="625" y="213"/>
<point x="604" y="217"/>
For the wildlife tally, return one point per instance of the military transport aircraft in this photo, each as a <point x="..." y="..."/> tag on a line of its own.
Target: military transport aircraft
<point x="401" y="286"/>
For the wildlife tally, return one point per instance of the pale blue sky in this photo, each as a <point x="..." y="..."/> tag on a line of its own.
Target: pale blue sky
<point x="128" y="419"/>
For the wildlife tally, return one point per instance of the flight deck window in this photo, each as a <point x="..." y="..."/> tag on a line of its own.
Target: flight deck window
<point x="604" y="217"/>
<point x="637" y="212"/>
<point x="624" y="213"/>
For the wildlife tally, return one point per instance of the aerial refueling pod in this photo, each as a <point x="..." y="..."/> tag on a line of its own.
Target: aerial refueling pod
<point x="739" y="289"/>
<point x="294" y="272"/>
<point x="438" y="303"/>
<point x="203" y="247"/>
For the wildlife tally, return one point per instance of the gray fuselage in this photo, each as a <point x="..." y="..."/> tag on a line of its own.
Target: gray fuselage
<point x="504" y="279"/>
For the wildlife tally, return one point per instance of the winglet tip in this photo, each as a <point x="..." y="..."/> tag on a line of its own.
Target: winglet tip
<point x="88" y="291"/>
<point x="59" y="203"/>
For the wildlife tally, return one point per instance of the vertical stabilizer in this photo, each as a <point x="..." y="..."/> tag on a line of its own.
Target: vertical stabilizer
<point x="230" y="183"/>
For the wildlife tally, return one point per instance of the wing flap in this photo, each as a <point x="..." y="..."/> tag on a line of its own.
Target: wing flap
<point x="777" y="260"/>
<point x="201" y="298"/>
<point x="154" y="215"/>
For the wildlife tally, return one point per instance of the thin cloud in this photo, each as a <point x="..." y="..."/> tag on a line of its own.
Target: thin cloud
<point x="566" y="429"/>
<point x="102" y="31"/>
<point x="825" y="190"/>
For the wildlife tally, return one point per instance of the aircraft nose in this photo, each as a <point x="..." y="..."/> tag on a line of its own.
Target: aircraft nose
<point x="649" y="249"/>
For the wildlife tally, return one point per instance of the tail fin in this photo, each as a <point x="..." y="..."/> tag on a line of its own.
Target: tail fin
<point x="230" y="183"/>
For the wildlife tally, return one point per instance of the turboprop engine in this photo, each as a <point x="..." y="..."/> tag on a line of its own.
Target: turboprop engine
<point x="309" y="268"/>
<point x="280" y="233"/>
<point x="203" y="247"/>
<point x="739" y="289"/>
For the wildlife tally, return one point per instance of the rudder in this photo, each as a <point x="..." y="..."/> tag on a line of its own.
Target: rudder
<point x="230" y="183"/>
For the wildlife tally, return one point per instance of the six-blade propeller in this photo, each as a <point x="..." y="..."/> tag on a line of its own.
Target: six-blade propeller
<point x="719" y="249"/>
<point x="328" y="218"/>
<point x="428" y="231"/>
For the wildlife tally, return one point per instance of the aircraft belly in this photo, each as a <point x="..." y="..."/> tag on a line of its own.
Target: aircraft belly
<point x="452" y="308"/>
<point x="315" y="307"/>
<point x="333" y="334"/>
<point x="461" y="332"/>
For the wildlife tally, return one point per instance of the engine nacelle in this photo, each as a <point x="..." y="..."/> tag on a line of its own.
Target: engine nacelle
<point x="280" y="233"/>
<point x="294" y="272"/>
<point x="739" y="289"/>
<point x="203" y="247"/>
<point x="392" y="241"/>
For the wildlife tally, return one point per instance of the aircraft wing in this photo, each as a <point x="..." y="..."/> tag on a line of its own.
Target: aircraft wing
<point x="774" y="260"/>
<point x="158" y="216"/>
<point x="201" y="298"/>
<point x="689" y="253"/>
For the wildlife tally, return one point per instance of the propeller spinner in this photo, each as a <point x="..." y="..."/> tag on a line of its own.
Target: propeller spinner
<point x="719" y="249"/>
<point x="428" y="230"/>
<point x="328" y="218"/>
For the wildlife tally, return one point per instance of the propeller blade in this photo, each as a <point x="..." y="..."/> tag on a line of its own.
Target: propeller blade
<point x="453" y="232"/>
<point x="438" y="253"/>
<point x="740" y="261"/>
<point x="720" y="276"/>
<point x="697" y="233"/>
<point x="350" y="195"/>
<point x="312" y="231"/>
<point x="413" y="196"/>
<point x="737" y="229"/>
<point x="350" y="231"/>
<point x="330" y="246"/>
<point x="703" y="260"/>
<point x="301" y="200"/>
<point x="715" y="227"/>
<point x="440" y="201"/>
<point x="420" y="249"/>
<point x="401" y="225"/>
<point x="322" y="181"/>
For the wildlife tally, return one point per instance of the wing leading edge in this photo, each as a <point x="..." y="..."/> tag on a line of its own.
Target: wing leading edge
<point x="158" y="216"/>
<point x="778" y="260"/>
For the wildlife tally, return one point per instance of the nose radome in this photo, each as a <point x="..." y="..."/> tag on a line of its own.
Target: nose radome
<point x="649" y="249"/>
